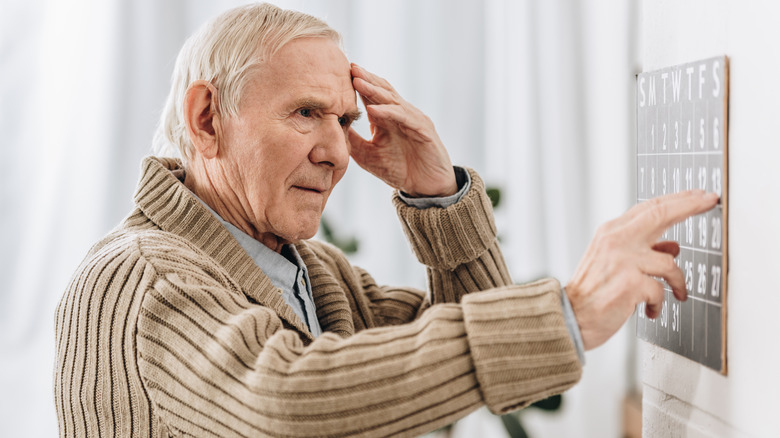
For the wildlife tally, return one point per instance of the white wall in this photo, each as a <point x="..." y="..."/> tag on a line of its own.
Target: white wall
<point x="680" y="397"/>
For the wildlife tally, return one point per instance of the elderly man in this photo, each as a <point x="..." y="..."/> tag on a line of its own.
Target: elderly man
<point x="207" y="312"/>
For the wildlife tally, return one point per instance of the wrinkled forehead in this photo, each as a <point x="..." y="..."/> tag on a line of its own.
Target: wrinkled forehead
<point x="313" y="67"/>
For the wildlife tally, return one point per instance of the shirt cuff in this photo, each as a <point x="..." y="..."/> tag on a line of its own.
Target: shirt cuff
<point x="462" y="178"/>
<point x="571" y="324"/>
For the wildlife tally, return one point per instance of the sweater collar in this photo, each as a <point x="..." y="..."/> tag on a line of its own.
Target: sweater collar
<point x="172" y="207"/>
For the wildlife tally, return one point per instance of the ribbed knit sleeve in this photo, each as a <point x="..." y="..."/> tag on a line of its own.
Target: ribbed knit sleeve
<point x="521" y="348"/>
<point x="457" y="244"/>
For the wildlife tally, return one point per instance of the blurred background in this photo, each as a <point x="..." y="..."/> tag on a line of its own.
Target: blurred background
<point x="535" y="95"/>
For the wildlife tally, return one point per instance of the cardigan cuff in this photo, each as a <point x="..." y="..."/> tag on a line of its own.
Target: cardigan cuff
<point x="463" y="180"/>
<point x="520" y="344"/>
<point x="445" y="238"/>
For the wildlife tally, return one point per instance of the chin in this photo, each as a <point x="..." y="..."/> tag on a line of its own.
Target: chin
<point x="306" y="235"/>
<point x="305" y="230"/>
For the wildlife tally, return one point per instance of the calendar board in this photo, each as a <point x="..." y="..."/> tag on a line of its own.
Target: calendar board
<point x="682" y="120"/>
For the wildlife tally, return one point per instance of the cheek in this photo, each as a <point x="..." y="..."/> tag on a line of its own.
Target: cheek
<point x="267" y="167"/>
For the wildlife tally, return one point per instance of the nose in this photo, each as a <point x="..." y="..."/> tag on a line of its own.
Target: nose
<point x="332" y="147"/>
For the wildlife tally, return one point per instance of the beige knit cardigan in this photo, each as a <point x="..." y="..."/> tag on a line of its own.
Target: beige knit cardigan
<point x="168" y="328"/>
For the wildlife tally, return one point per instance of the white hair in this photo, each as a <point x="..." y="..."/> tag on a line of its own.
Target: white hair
<point x="222" y="52"/>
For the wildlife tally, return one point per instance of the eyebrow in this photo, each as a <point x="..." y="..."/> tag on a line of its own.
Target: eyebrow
<point x="317" y="105"/>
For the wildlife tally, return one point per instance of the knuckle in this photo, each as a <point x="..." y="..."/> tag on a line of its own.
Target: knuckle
<point x="658" y="211"/>
<point x="634" y="283"/>
<point x="609" y="241"/>
<point x="605" y="228"/>
<point x="668" y="264"/>
<point x="656" y="292"/>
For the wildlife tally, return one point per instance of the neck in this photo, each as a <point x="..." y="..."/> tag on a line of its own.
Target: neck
<point x="216" y="193"/>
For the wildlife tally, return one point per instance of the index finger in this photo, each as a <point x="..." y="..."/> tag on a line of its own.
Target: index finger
<point x="372" y="94"/>
<point x="360" y="72"/>
<point x="658" y="214"/>
<point x="642" y="207"/>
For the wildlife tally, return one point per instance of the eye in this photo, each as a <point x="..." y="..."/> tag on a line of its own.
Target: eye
<point x="304" y="112"/>
<point x="344" y="121"/>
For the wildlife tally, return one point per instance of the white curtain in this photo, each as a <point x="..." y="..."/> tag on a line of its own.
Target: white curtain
<point x="536" y="95"/>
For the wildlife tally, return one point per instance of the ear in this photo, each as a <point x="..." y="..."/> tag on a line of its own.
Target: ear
<point x="201" y="117"/>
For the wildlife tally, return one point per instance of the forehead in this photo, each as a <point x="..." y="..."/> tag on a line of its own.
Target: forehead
<point x="313" y="68"/>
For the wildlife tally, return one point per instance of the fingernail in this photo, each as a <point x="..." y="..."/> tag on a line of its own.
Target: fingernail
<point x="712" y="197"/>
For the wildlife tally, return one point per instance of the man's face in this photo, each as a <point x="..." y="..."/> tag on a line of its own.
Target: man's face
<point x="288" y="146"/>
